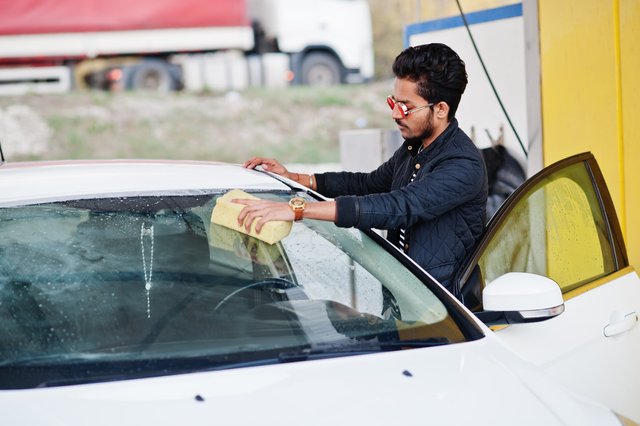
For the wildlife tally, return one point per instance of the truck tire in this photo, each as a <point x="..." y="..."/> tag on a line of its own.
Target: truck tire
<point x="321" y="69"/>
<point x="152" y="76"/>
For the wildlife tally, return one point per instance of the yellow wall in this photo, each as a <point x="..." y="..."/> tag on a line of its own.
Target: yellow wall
<point x="630" y="70"/>
<point x="590" y="62"/>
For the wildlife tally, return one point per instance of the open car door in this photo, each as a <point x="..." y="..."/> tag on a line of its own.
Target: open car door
<point x="561" y="224"/>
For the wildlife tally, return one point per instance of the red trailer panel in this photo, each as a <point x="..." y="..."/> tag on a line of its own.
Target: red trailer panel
<point x="19" y="17"/>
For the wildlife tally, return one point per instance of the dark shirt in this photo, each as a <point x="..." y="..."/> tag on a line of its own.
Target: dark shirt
<point x="443" y="210"/>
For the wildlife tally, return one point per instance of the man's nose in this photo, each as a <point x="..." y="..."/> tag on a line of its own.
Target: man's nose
<point x="396" y="114"/>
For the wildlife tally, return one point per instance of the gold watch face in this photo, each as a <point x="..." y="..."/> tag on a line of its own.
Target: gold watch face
<point x="297" y="203"/>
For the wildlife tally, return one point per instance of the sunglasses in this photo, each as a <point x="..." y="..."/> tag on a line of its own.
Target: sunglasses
<point x="402" y="108"/>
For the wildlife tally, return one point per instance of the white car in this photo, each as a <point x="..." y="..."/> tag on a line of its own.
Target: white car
<point x="121" y="303"/>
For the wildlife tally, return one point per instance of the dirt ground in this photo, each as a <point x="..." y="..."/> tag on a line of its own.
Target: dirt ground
<point x="295" y="124"/>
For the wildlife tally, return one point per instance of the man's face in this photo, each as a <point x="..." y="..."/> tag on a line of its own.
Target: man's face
<point x="417" y="125"/>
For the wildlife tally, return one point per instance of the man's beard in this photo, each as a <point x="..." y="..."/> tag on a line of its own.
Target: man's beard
<point x="426" y="133"/>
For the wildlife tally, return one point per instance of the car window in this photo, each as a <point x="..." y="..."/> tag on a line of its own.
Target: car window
<point x="556" y="228"/>
<point x="96" y="289"/>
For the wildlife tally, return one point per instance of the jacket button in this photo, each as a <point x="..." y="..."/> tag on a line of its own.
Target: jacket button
<point x="406" y="247"/>
<point x="417" y="166"/>
<point x="409" y="147"/>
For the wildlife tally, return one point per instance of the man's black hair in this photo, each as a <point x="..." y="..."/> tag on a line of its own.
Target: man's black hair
<point x="438" y="70"/>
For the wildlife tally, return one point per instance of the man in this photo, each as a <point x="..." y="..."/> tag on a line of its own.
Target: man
<point x="430" y="195"/>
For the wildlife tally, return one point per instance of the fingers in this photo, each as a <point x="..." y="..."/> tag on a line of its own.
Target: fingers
<point x="252" y="162"/>
<point x="254" y="209"/>
<point x="261" y="212"/>
<point x="251" y="214"/>
<point x="260" y="223"/>
<point x="244" y="217"/>
<point x="268" y="164"/>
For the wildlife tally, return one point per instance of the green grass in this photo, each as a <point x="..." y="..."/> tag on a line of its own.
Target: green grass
<point x="295" y="124"/>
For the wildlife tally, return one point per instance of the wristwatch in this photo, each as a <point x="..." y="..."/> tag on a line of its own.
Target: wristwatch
<point x="297" y="204"/>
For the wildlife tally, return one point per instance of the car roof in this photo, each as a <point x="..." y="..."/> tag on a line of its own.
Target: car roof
<point x="63" y="180"/>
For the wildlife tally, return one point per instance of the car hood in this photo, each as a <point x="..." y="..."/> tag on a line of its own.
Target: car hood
<point x="470" y="383"/>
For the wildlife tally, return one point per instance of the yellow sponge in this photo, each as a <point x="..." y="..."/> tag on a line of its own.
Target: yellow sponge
<point x="225" y="213"/>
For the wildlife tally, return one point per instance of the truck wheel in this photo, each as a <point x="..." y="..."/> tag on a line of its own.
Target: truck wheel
<point x="320" y="69"/>
<point x="152" y="76"/>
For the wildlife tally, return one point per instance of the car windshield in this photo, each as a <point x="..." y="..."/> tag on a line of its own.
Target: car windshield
<point x="124" y="287"/>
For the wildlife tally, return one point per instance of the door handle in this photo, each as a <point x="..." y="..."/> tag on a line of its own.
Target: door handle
<point x="619" y="323"/>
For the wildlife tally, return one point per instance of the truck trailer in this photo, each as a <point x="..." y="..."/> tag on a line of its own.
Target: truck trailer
<point x="59" y="45"/>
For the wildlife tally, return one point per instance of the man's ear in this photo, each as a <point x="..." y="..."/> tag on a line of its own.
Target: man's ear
<point x="441" y="110"/>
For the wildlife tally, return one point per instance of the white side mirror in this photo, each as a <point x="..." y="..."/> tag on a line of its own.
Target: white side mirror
<point x="523" y="297"/>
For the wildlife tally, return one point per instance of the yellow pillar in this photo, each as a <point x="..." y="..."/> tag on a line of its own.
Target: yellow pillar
<point x="589" y="59"/>
<point x="630" y="67"/>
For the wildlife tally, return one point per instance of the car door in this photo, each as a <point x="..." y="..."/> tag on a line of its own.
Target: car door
<point x="561" y="223"/>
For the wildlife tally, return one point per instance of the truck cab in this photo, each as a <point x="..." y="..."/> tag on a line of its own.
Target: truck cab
<point x="329" y="41"/>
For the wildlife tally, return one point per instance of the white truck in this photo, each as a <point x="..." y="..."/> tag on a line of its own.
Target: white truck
<point x="58" y="45"/>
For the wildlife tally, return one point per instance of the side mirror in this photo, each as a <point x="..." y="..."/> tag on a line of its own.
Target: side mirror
<point x="519" y="297"/>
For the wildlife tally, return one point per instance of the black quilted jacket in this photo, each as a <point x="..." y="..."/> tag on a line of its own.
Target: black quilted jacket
<point x="443" y="210"/>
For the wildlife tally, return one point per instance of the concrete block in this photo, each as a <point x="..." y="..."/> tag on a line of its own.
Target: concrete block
<point x="274" y="69"/>
<point x="23" y="80"/>
<point x="192" y="71"/>
<point x="237" y="70"/>
<point x="363" y="150"/>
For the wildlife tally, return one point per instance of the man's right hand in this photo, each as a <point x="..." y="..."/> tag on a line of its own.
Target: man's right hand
<point x="269" y="165"/>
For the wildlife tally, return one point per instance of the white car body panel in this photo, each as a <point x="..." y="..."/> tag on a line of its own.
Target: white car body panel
<point x="450" y="385"/>
<point x="92" y="179"/>
<point x="579" y="345"/>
